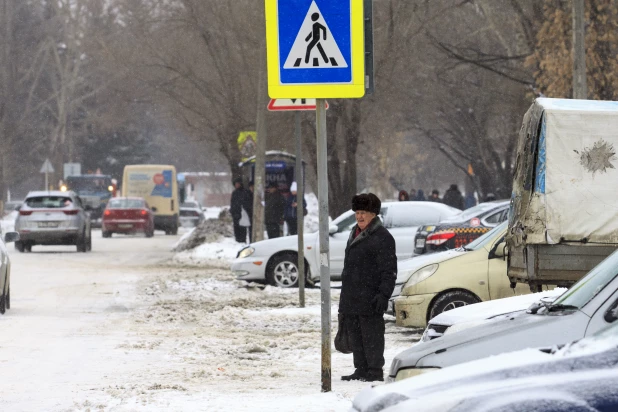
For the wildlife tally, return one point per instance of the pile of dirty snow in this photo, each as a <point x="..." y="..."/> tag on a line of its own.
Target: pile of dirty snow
<point x="209" y="231"/>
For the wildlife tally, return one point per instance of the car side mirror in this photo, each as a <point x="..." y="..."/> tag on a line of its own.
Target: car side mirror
<point x="11" y="237"/>
<point x="499" y="251"/>
<point x="87" y="208"/>
<point x="154" y="209"/>
<point x="332" y="229"/>
<point x="612" y="313"/>
<point x="18" y="208"/>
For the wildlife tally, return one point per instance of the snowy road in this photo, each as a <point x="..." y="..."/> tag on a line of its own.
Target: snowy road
<point x="125" y="329"/>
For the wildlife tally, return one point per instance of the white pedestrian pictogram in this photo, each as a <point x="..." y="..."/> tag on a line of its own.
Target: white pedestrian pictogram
<point x="314" y="47"/>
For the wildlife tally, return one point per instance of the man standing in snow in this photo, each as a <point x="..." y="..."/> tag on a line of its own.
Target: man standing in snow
<point x="453" y="198"/>
<point x="368" y="280"/>
<point x="241" y="201"/>
<point x="273" y="210"/>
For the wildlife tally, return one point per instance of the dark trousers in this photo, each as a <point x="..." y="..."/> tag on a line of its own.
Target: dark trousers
<point x="273" y="230"/>
<point x="368" y="336"/>
<point x="240" y="233"/>
<point x="292" y="226"/>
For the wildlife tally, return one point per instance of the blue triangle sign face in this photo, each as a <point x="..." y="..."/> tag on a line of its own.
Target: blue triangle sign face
<point x="315" y="41"/>
<point x="314" y="47"/>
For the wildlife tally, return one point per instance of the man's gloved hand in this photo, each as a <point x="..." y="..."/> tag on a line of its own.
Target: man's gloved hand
<point x="380" y="304"/>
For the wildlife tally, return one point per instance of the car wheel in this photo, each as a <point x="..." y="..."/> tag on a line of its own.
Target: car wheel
<point x="82" y="243"/>
<point x="283" y="271"/>
<point x="451" y="300"/>
<point x="28" y="247"/>
<point x="7" y="299"/>
<point x="89" y="242"/>
<point x="19" y="246"/>
<point x="107" y="234"/>
<point x="150" y="233"/>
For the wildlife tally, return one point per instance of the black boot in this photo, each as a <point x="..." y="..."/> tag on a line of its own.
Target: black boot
<point x="373" y="376"/>
<point x="358" y="375"/>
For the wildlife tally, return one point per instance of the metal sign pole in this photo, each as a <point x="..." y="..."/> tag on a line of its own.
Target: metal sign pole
<point x="300" y="209"/>
<point x="324" y="243"/>
<point x="46" y="180"/>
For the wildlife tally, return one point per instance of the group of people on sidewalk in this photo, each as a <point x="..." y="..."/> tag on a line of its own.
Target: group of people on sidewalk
<point x="453" y="197"/>
<point x="277" y="210"/>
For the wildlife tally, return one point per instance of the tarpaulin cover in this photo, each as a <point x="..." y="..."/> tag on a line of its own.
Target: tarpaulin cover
<point x="566" y="178"/>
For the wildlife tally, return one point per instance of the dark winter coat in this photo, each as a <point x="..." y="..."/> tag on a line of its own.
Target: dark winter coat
<point x="290" y="211"/>
<point x="369" y="269"/>
<point x="241" y="198"/>
<point x="274" y="208"/>
<point x="453" y="198"/>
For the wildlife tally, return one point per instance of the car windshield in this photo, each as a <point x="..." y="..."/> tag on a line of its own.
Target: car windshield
<point x="83" y="184"/>
<point x="125" y="204"/>
<point x="486" y="238"/>
<point x="590" y="285"/>
<point x="48" y="202"/>
<point x="472" y="212"/>
<point x="347" y="220"/>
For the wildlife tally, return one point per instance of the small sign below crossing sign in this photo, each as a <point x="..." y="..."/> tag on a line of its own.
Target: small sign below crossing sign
<point x="316" y="48"/>
<point x="276" y="105"/>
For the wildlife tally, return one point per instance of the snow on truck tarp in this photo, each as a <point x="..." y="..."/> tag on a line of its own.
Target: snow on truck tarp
<point x="574" y="196"/>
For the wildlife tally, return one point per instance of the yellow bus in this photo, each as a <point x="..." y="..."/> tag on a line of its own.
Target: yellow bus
<point x="157" y="184"/>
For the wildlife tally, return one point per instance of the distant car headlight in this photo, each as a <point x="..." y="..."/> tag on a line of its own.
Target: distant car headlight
<point x="246" y="252"/>
<point x="422" y="274"/>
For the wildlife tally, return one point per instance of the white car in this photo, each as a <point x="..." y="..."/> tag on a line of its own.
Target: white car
<point x="5" y="272"/>
<point x="580" y="376"/>
<point x="587" y="307"/>
<point x="465" y="317"/>
<point x="275" y="260"/>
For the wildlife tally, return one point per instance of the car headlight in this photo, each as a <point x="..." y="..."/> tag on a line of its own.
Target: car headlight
<point x="246" y="252"/>
<point x="412" y="372"/>
<point x="422" y="274"/>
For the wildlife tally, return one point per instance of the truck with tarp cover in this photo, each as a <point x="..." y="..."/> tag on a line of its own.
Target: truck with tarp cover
<point x="563" y="217"/>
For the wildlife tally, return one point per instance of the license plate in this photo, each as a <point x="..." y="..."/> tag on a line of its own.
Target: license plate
<point x="125" y="226"/>
<point x="420" y="243"/>
<point x="48" y="224"/>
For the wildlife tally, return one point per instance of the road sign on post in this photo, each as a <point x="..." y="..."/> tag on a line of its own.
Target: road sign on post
<point x="47" y="168"/>
<point x="316" y="49"/>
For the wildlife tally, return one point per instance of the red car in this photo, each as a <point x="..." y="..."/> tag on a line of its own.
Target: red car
<point x="127" y="215"/>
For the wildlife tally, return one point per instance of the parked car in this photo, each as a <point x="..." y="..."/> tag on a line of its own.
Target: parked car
<point x="587" y="307"/>
<point x="274" y="260"/>
<point x="579" y="376"/>
<point x="191" y="214"/>
<point x="53" y="218"/>
<point x="444" y="281"/>
<point x="127" y="215"/>
<point x="465" y="317"/>
<point x="5" y="272"/>
<point x="462" y="229"/>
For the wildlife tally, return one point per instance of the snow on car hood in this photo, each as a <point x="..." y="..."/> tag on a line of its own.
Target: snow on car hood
<point x="491" y="308"/>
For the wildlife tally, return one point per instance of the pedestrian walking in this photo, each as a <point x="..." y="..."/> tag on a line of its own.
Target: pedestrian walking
<point x="368" y="280"/>
<point x="453" y="198"/>
<point x="240" y="205"/>
<point x="273" y="211"/>
<point x="435" y="196"/>
<point x="420" y="196"/>
<point x="403" y="196"/>
<point x="290" y="214"/>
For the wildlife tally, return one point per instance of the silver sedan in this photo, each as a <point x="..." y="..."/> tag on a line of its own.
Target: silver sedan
<point x="53" y="218"/>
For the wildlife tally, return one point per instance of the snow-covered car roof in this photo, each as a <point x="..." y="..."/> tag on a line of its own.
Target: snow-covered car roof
<point x="594" y="357"/>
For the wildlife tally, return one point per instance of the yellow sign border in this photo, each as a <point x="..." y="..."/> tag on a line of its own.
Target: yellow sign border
<point x="355" y="89"/>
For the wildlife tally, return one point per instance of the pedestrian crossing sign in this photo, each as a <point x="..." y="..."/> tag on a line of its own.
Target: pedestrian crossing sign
<point x="315" y="48"/>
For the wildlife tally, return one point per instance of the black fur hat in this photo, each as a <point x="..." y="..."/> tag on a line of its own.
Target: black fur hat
<point x="368" y="202"/>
